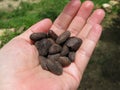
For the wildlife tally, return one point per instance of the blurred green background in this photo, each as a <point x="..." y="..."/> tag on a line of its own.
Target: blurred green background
<point x="103" y="71"/>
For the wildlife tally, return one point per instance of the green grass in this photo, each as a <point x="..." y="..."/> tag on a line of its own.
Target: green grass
<point x="28" y="14"/>
<point x="99" y="2"/>
<point x="7" y="36"/>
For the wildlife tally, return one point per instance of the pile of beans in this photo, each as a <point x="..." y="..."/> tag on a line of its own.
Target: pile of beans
<point x="55" y="52"/>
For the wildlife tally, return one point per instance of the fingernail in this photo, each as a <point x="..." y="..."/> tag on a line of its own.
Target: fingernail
<point x="101" y="12"/>
<point x="89" y="4"/>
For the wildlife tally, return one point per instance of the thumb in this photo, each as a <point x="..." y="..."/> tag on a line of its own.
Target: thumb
<point x="42" y="26"/>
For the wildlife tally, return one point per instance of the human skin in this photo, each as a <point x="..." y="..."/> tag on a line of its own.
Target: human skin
<point x="19" y="63"/>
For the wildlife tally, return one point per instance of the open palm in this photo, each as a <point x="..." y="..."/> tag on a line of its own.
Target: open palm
<point x="19" y="64"/>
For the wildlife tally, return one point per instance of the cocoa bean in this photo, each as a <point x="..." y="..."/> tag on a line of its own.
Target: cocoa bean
<point x="51" y="40"/>
<point x="38" y="36"/>
<point x="56" y="52"/>
<point x="60" y="68"/>
<point x="43" y="46"/>
<point x="71" y="56"/>
<point x="64" y="61"/>
<point x="54" y="57"/>
<point x="73" y="43"/>
<point x="54" y="67"/>
<point x="43" y="62"/>
<point x="65" y="51"/>
<point x="54" y="49"/>
<point x="63" y="37"/>
<point x="52" y="35"/>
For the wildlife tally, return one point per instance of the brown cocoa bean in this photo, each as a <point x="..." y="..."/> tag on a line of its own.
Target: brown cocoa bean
<point x="65" y="51"/>
<point x="64" y="61"/>
<point x="52" y="35"/>
<point x="60" y="68"/>
<point x="51" y="40"/>
<point x="54" y="57"/>
<point x="71" y="56"/>
<point x="63" y="37"/>
<point x="43" y="62"/>
<point x="56" y="52"/>
<point x="54" y="49"/>
<point x="54" y="67"/>
<point x="73" y="43"/>
<point x="43" y="46"/>
<point x="38" y="36"/>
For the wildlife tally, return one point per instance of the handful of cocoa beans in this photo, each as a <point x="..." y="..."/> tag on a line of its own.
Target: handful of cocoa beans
<point x="55" y="52"/>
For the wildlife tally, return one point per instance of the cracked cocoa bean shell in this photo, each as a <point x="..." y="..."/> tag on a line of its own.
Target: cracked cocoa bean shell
<point x="64" y="61"/>
<point x="73" y="43"/>
<point x="54" y="67"/>
<point x="38" y="36"/>
<point x="54" y="57"/>
<point x="63" y="37"/>
<point x="65" y="51"/>
<point x="52" y="35"/>
<point x="43" y="46"/>
<point x="71" y="56"/>
<point x="54" y="49"/>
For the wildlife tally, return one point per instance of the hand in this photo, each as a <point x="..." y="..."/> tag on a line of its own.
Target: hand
<point x="19" y="64"/>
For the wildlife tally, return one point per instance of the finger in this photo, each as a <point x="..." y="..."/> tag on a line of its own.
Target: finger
<point x="42" y="26"/>
<point x="84" y="53"/>
<point x="64" y="19"/>
<point x="95" y="18"/>
<point x="80" y="19"/>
